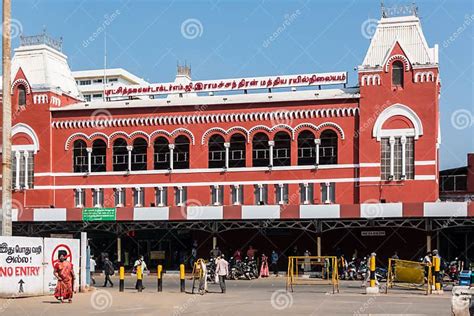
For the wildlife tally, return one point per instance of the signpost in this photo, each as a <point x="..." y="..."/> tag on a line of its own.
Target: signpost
<point x="99" y="214"/>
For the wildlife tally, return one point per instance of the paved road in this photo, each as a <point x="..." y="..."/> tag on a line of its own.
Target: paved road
<point x="265" y="297"/>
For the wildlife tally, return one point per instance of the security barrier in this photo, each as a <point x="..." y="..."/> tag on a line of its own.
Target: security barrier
<point x="312" y="270"/>
<point x="409" y="274"/>
<point x="121" y="278"/>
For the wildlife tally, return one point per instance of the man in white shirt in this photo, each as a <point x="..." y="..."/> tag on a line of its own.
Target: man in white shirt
<point x="140" y="262"/>
<point x="222" y="270"/>
<point x="92" y="265"/>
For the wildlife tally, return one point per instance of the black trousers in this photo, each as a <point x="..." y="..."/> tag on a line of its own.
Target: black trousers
<point x="222" y="282"/>
<point x="108" y="280"/>
<point x="274" y="268"/>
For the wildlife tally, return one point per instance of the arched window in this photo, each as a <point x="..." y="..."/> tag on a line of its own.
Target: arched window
<point x="99" y="150"/>
<point x="397" y="73"/>
<point x="216" y="151"/>
<point x="181" y="153"/>
<point x="80" y="156"/>
<point x="237" y="151"/>
<point x="282" y="149"/>
<point x="306" y="149"/>
<point x="21" y="95"/>
<point x="328" y="148"/>
<point x="139" y="154"/>
<point x="260" y="150"/>
<point x="120" y="155"/>
<point x="162" y="154"/>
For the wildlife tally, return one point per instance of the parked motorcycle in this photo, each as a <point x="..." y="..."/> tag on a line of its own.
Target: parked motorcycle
<point x="211" y="270"/>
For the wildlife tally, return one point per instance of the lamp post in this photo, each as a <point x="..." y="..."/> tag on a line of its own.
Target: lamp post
<point x="7" y="122"/>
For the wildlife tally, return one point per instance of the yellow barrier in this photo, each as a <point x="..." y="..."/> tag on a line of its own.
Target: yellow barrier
<point x="409" y="274"/>
<point x="328" y="269"/>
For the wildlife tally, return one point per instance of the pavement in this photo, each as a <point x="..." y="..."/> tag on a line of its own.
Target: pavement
<point x="243" y="297"/>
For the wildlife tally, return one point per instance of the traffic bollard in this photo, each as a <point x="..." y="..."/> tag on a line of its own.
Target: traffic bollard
<point x="159" y="271"/>
<point x="372" y="271"/>
<point x="122" y="279"/>
<point x="139" y="278"/>
<point x="437" y="275"/>
<point x="181" y="277"/>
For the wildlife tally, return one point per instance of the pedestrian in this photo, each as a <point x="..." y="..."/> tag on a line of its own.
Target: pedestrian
<point x="202" y="276"/>
<point x="64" y="273"/>
<point x="237" y="255"/>
<point x="274" y="264"/>
<point x="395" y="256"/>
<point x="92" y="265"/>
<point x="216" y="252"/>
<point x="427" y="262"/>
<point x="108" y="271"/>
<point x="251" y="253"/>
<point x="264" y="267"/>
<point x="222" y="270"/>
<point x="140" y="262"/>
<point x="307" y="262"/>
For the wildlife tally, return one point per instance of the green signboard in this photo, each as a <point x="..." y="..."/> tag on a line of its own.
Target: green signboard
<point x="99" y="214"/>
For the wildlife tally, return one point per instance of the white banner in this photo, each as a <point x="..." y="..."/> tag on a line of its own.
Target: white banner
<point x="21" y="266"/>
<point x="26" y="264"/>
<point x="312" y="79"/>
<point x="51" y="248"/>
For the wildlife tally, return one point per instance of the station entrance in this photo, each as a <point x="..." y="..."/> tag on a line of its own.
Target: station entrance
<point x="172" y="243"/>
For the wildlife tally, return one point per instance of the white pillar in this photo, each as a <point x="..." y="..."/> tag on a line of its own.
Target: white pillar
<point x="216" y="192"/>
<point x="317" y="141"/>
<point x="227" y="148"/>
<point x="139" y="200"/>
<point x="392" y="155"/>
<point x="171" y="147"/>
<point x="403" y="140"/>
<point x="271" y="143"/>
<point x="129" y="148"/>
<point x="281" y="187"/>
<point x="83" y="262"/>
<point x="306" y="193"/>
<point x="89" y="159"/>
<point x="25" y="154"/>
<point x="180" y="192"/>
<point x="260" y="193"/>
<point x="237" y="198"/>
<point x="119" y="193"/>
<point x="18" y="161"/>
<point x="80" y="202"/>
<point x="328" y="195"/>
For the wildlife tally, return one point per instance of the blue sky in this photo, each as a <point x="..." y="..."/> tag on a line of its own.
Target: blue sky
<point x="233" y="39"/>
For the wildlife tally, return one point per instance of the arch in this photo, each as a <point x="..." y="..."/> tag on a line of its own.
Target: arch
<point x="317" y="128"/>
<point x="184" y="131"/>
<point x="139" y="154"/>
<point x="99" y="135"/>
<point x="398" y="109"/>
<point x="237" y="150"/>
<point x="282" y="149"/>
<point x="120" y="155"/>
<point x="216" y="151"/>
<point x="161" y="152"/>
<point x="397" y="73"/>
<point x="212" y="130"/>
<point x="160" y="133"/>
<point x="181" y="152"/>
<point x="28" y="130"/>
<point x="306" y="148"/>
<point x="22" y="82"/>
<point x="260" y="150"/>
<point x="21" y="95"/>
<point x="118" y="133"/>
<point x="98" y="156"/>
<point x="328" y="148"/>
<point x="401" y="58"/>
<point x="80" y="157"/>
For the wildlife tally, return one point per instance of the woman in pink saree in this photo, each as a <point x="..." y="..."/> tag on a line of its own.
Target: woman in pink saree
<point x="264" y="267"/>
<point x="64" y="272"/>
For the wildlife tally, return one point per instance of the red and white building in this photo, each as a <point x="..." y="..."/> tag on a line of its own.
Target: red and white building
<point x="297" y="151"/>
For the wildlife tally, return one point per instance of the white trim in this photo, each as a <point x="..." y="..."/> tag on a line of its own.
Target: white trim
<point x="425" y="177"/>
<point x="394" y="110"/>
<point x="28" y="130"/>
<point x="425" y="162"/>
<point x="369" y="164"/>
<point x="197" y="184"/>
<point x="406" y="132"/>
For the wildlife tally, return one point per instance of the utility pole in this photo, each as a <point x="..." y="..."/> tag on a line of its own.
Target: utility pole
<point x="7" y="122"/>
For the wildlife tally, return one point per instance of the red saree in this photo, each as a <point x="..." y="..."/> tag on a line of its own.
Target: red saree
<point x="64" y="288"/>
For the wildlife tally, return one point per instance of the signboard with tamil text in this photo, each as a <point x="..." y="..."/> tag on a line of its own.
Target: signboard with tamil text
<point x="99" y="214"/>
<point x="300" y="80"/>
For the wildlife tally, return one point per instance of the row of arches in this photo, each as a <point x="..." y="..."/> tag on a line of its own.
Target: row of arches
<point x="266" y="150"/>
